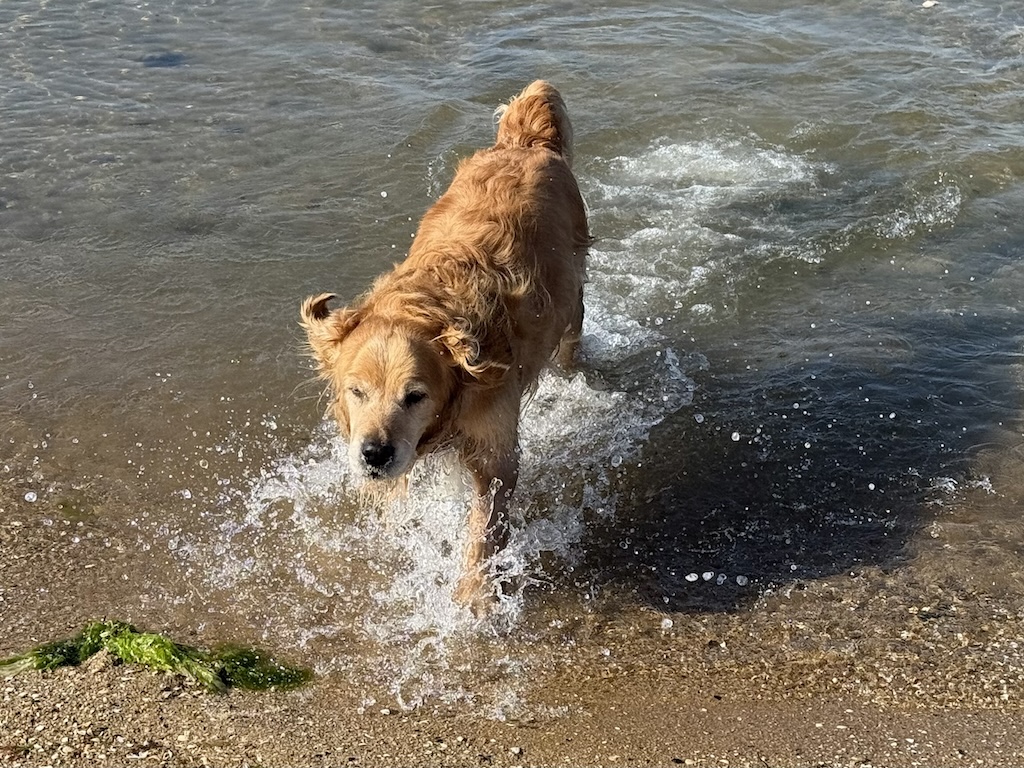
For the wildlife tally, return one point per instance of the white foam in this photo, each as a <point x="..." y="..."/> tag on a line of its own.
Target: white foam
<point x="659" y="245"/>
<point x="713" y="166"/>
<point x="937" y="208"/>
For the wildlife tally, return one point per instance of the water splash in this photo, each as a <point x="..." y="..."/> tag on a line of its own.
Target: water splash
<point x="394" y="569"/>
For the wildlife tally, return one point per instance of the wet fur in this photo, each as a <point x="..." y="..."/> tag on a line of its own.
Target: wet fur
<point x="441" y="350"/>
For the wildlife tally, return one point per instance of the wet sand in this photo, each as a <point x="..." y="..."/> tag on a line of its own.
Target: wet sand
<point x="101" y="714"/>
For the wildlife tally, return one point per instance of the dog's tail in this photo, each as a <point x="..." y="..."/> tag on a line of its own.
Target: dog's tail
<point x="535" y="118"/>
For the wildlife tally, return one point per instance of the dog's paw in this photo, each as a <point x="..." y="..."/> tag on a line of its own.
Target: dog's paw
<point x="477" y="593"/>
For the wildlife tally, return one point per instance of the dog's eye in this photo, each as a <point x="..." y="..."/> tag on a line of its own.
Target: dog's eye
<point x="357" y="393"/>
<point x="414" y="397"/>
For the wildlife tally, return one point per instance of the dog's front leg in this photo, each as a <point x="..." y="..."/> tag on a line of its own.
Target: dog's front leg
<point x="494" y="478"/>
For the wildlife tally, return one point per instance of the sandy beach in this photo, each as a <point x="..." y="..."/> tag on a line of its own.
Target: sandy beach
<point x="111" y="715"/>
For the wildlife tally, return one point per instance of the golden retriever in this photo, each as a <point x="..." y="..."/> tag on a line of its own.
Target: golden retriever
<point x="441" y="350"/>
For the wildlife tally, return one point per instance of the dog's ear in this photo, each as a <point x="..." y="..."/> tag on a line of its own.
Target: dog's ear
<point x="468" y="353"/>
<point x="326" y="328"/>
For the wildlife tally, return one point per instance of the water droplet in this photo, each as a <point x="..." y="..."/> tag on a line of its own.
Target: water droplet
<point x="699" y="418"/>
<point x="30" y="496"/>
<point x="742" y="580"/>
<point x="692" y="577"/>
<point x="616" y="461"/>
<point x="383" y="194"/>
<point x="735" y="437"/>
<point x="871" y="486"/>
<point x="708" y="575"/>
<point x="666" y="623"/>
<point x="721" y="579"/>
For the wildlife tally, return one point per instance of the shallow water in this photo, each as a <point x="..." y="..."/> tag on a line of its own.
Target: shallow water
<point x="796" y="427"/>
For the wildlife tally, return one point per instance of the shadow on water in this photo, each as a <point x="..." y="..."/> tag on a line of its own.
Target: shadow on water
<point x="787" y="471"/>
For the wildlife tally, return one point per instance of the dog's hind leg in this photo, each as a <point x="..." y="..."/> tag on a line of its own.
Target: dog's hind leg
<point x="565" y="355"/>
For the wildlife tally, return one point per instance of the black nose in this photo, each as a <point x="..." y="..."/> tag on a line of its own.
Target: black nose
<point x="377" y="454"/>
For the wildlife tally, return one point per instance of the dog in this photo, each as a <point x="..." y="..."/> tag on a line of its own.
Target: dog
<point x="441" y="352"/>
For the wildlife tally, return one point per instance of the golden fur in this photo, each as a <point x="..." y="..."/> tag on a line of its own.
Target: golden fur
<point x="441" y="349"/>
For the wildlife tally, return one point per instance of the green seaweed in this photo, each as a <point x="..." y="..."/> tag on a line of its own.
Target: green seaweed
<point x="162" y="653"/>
<point x="231" y="666"/>
<point x="254" y="670"/>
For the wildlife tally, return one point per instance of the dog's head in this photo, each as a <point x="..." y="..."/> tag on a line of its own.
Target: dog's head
<point x="394" y="384"/>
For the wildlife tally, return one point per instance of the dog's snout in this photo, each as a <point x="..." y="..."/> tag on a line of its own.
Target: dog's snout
<point x="377" y="454"/>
